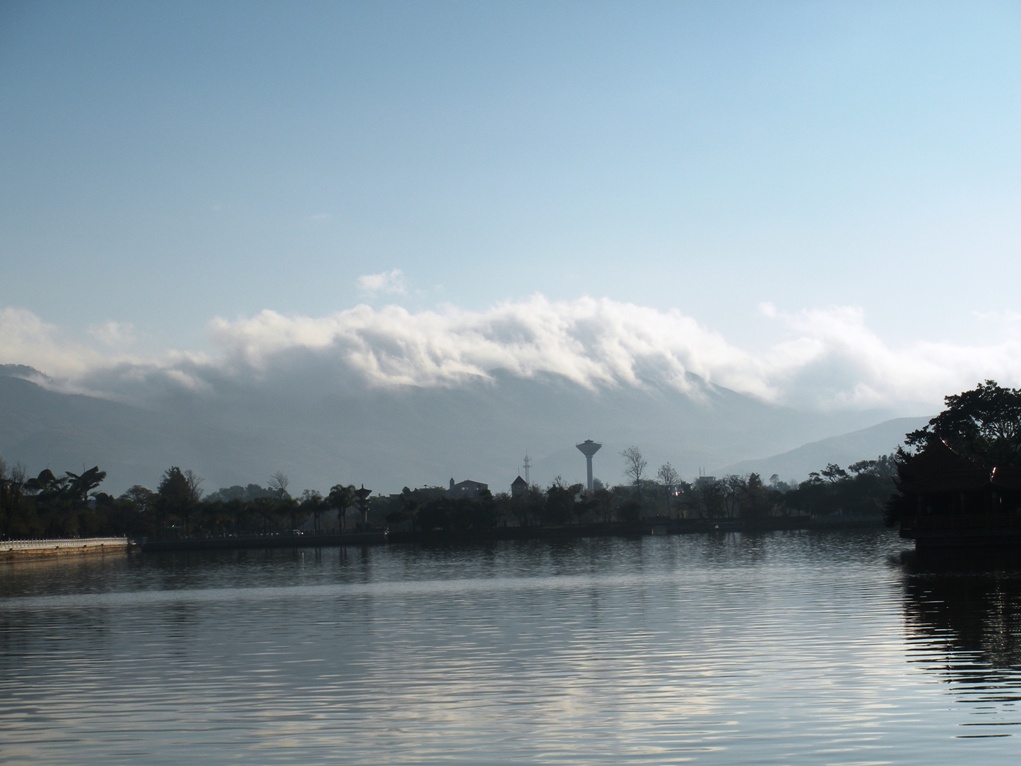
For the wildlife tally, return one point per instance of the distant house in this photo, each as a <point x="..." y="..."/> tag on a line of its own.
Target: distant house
<point x="467" y="488"/>
<point x="519" y="487"/>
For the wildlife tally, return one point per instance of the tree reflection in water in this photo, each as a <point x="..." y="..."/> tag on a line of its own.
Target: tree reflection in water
<point x="963" y="624"/>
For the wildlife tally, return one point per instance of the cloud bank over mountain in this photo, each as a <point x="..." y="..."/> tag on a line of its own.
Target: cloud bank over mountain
<point x="827" y="358"/>
<point x="394" y="397"/>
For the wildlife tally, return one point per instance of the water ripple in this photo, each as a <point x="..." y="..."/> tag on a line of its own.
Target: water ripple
<point x="779" y="649"/>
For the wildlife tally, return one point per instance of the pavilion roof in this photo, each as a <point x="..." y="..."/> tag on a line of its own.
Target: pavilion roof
<point x="938" y="468"/>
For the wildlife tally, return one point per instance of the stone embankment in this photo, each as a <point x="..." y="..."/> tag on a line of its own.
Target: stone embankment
<point x="264" y="541"/>
<point x="21" y="549"/>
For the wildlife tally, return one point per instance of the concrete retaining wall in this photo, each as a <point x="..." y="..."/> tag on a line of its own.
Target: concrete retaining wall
<point x="10" y="549"/>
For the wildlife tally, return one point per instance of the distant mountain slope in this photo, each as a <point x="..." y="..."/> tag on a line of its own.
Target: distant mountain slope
<point x="865" y="444"/>
<point x="66" y="432"/>
<point x="320" y="431"/>
<point x="19" y="371"/>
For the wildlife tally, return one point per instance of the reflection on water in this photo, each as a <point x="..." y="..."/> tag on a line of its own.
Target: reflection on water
<point x="964" y="626"/>
<point x="779" y="648"/>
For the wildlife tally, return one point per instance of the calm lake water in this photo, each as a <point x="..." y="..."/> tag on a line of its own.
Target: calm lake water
<point x="783" y="648"/>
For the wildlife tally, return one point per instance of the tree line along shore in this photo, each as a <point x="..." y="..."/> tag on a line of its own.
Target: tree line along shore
<point x="72" y="505"/>
<point x="980" y="428"/>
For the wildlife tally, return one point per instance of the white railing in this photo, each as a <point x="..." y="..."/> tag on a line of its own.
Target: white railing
<point x="66" y="543"/>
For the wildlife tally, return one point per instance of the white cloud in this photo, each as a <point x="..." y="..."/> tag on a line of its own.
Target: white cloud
<point x="834" y="359"/>
<point x="591" y="342"/>
<point x="99" y="368"/>
<point x="386" y="282"/>
<point x="27" y="339"/>
<point x="829" y="358"/>
<point x="113" y="334"/>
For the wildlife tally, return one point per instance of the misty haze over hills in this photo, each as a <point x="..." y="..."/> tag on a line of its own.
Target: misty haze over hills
<point x="321" y="427"/>
<point x="845" y="449"/>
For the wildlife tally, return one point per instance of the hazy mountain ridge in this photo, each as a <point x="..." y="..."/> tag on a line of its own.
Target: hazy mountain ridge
<point x="845" y="449"/>
<point x="22" y="371"/>
<point x="240" y="430"/>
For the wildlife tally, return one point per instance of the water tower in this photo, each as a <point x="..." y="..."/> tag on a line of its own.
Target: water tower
<point x="588" y="449"/>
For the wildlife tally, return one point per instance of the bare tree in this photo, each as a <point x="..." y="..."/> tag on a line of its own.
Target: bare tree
<point x="634" y="466"/>
<point x="194" y="482"/>
<point x="668" y="476"/>
<point x="278" y="484"/>
<point x="668" y="481"/>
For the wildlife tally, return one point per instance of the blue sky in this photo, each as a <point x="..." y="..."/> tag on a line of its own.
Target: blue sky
<point x="829" y="192"/>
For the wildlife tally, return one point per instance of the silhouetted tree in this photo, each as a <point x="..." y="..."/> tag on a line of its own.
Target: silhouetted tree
<point x="560" y="500"/>
<point x="12" y="480"/>
<point x="178" y="494"/>
<point x="140" y="509"/>
<point x="754" y="505"/>
<point x="833" y="473"/>
<point x="62" y="502"/>
<point x="278" y="484"/>
<point x="667" y="475"/>
<point x="983" y="424"/>
<point x="342" y="497"/>
<point x="404" y="509"/>
<point x="314" y="504"/>
<point x="861" y="491"/>
<point x="80" y="485"/>
<point x="602" y="504"/>
<point x="634" y="466"/>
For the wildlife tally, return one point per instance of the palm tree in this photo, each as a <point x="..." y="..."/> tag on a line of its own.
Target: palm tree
<point x="342" y="497"/>
<point x="80" y="485"/>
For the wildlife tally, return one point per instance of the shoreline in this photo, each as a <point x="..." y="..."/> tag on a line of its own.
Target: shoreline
<point x="16" y="550"/>
<point x="22" y="550"/>
<point x="646" y="528"/>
